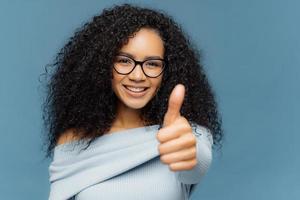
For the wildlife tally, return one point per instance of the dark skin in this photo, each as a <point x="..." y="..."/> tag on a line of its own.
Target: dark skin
<point x="145" y="43"/>
<point x="177" y="146"/>
<point x="177" y="142"/>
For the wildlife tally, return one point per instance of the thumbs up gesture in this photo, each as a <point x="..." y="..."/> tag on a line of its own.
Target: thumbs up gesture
<point x="177" y="146"/>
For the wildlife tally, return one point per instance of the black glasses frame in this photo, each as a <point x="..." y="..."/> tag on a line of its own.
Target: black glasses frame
<point x="141" y="63"/>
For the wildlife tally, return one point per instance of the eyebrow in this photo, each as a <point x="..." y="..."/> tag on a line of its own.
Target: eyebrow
<point x="133" y="57"/>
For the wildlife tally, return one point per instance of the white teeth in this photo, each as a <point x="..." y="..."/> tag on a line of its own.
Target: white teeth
<point x="135" y="89"/>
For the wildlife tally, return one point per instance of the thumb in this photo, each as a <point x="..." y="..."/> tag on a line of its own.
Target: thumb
<point x="175" y="102"/>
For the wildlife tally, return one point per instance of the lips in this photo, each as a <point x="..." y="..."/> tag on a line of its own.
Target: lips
<point x="135" y="88"/>
<point x="140" y="91"/>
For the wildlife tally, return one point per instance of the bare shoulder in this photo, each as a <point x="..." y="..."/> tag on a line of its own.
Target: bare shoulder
<point x="67" y="136"/>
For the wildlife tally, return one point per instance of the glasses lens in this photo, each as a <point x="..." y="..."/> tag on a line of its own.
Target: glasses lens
<point x="123" y="64"/>
<point x="153" y="67"/>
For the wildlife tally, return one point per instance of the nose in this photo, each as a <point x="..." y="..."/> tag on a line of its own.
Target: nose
<point x="137" y="74"/>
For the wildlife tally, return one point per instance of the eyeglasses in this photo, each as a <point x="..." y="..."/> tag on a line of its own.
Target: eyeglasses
<point x="151" y="67"/>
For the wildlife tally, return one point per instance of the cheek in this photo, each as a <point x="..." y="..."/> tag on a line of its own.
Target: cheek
<point x="116" y="78"/>
<point x="159" y="82"/>
<point x="115" y="81"/>
<point x="157" y="85"/>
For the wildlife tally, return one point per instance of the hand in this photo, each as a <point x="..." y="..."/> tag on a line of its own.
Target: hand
<point x="177" y="142"/>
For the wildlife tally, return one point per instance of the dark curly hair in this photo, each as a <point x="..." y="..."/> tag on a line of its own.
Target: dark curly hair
<point x="79" y="90"/>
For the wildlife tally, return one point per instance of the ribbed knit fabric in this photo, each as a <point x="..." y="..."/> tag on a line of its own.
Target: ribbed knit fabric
<point x="125" y="165"/>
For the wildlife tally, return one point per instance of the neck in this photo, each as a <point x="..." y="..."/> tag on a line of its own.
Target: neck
<point x="127" y="117"/>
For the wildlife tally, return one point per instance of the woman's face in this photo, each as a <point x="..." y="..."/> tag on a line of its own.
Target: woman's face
<point x="145" y="43"/>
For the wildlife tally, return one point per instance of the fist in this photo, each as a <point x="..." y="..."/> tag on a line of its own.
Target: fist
<point x="177" y="146"/>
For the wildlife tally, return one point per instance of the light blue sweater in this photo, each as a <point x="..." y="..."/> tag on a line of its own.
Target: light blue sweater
<point x="125" y="165"/>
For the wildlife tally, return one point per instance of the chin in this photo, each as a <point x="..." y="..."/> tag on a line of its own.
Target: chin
<point x="135" y="104"/>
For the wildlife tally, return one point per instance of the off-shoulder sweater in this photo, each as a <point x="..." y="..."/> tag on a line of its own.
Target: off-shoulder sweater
<point x="125" y="165"/>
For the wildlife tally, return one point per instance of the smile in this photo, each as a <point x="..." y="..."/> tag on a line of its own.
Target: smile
<point x="136" y="91"/>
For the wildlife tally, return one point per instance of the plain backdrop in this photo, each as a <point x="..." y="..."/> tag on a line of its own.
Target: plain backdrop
<point x="250" y="52"/>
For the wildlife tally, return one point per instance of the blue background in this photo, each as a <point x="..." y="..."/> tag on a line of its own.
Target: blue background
<point x="251" y="54"/>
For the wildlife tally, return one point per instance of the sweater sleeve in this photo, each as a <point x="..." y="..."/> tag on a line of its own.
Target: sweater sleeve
<point x="204" y="157"/>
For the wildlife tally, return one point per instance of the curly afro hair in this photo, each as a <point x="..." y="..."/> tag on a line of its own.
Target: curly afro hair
<point x="79" y="90"/>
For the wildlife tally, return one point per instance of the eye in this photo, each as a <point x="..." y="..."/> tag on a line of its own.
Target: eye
<point x="123" y="60"/>
<point x="154" y="63"/>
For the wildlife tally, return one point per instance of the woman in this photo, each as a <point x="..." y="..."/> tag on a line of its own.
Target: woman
<point x="130" y="97"/>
